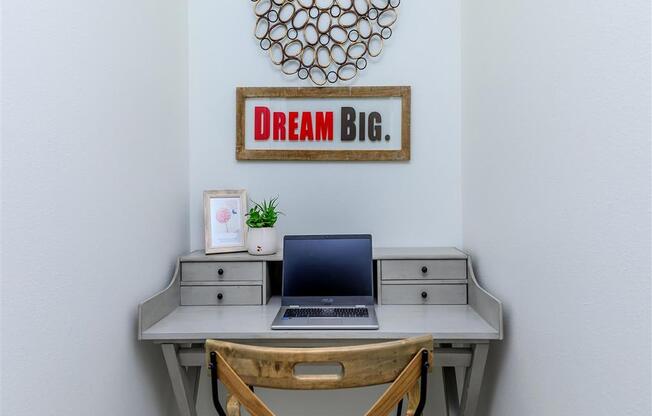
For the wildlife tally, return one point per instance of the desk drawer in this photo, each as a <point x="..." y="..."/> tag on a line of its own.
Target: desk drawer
<point x="211" y="271"/>
<point x="414" y="294"/>
<point x="221" y="295"/>
<point x="423" y="269"/>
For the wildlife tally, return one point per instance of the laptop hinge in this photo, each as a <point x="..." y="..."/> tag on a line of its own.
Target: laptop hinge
<point x="360" y="306"/>
<point x="294" y="306"/>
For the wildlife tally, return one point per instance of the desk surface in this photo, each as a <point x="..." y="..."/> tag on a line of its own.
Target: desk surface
<point x="379" y="253"/>
<point x="197" y="323"/>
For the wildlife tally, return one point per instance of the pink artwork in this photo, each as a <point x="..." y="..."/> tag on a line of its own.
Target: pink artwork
<point x="226" y="213"/>
<point x="223" y="216"/>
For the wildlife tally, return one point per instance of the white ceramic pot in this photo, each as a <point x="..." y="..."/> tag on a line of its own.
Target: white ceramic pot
<point x="261" y="241"/>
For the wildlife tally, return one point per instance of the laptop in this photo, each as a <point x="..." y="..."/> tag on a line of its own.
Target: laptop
<point x="327" y="283"/>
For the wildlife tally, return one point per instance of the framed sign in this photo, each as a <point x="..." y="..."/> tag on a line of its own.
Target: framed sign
<point x="339" y="123"/>
<point x="224" y="221"/>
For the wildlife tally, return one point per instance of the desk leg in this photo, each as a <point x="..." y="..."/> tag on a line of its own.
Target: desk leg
<point x="473" y="380"/>
<point x="194" y="374"/>
<point x="182" y="385"/>
<point x="450" y="391"/>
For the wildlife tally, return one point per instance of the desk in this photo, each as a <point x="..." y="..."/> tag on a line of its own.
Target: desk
<point x="462" y="331"/>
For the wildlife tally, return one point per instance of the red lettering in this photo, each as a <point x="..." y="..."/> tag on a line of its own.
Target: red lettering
<point x="293" y="124"/>
<point x="279" y="126"/>
<point x="261" y="123"/>
<point x="268" y="124"/>
<point x="306" y="127"/>
<point x="324" y="125"/>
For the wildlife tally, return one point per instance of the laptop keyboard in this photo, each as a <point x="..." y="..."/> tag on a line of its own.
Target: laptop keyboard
<point x="358" y="312"/>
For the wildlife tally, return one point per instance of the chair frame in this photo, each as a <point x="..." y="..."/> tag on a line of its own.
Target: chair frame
<point x="277" y="371"/>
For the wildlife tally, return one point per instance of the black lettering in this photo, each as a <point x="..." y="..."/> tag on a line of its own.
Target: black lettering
<point x="375" y="131"/>
<point x="362" y="126"/>
<point x="348" y="129"/>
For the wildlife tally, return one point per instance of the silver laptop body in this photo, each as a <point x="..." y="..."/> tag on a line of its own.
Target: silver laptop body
<point x="327" y="283"/>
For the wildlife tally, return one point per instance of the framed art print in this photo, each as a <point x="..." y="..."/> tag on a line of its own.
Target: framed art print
<point x="224" y="221"/>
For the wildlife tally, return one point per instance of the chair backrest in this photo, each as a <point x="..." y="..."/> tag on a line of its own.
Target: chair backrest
<point x="240" y="366"/>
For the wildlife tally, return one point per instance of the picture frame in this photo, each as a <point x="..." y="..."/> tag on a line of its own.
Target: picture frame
<point x="376" y="120"/>
<point x="224" y="221"/>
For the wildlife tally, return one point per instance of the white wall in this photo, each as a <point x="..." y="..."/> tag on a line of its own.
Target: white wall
<point x="556" y="187"/>
<point x="415" y="203"/>
<point x="556" y="195"/>
<point x="94" y="199"/>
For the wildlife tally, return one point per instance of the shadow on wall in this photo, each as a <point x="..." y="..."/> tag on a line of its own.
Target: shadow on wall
<point x="498" y="351"/>
<point x="150" y="359"/>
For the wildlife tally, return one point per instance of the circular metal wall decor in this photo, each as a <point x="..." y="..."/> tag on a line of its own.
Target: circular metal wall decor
<point x="325" y="41"/>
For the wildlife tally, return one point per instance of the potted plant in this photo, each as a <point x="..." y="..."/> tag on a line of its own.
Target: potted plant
<point x="261" y="238"/>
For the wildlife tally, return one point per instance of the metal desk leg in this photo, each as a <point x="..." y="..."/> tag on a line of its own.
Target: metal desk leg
<point x="473" y="380"/>
<point x="182" y="384"/>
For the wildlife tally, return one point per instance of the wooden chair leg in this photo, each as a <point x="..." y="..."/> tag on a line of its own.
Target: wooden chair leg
<point x="399" y="408"/>
<point x="214" y="388"/>
<point x="413" y="400"/>
<point x="422" y="385"/>
<point x="233" y="406"/>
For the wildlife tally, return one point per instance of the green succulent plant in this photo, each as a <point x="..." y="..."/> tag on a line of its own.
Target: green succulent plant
<point x="264" y="214"/>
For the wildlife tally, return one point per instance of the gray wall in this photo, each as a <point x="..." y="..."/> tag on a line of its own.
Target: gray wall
<point x="415" y="203"/>
<point x="556" y="196"/>
<point x="94" y="200"/>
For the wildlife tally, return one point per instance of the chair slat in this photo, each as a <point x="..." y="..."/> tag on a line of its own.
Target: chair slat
<point x="240" y="390"/>
<point x="398" y="389"/>
<point x="363" y="365"/>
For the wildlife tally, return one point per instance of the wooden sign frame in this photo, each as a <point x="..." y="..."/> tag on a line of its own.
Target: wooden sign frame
<point x="243" y="93"/>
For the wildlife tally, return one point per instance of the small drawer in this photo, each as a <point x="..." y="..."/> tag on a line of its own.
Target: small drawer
<point x="221" y="295"/>
<point x="212" y="271"/>
<point x="423" y="269"/>
<point x="424" y="294"/>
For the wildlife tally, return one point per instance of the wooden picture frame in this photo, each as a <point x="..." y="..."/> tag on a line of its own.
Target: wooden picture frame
<point x="225" y="230"/>
<point x="401" y="154"/>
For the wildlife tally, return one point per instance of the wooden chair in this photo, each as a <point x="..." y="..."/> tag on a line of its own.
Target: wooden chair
<point x="403" y="363"/>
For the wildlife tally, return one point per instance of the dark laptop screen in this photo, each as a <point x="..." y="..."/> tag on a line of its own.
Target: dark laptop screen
<point x="327" y="266"/>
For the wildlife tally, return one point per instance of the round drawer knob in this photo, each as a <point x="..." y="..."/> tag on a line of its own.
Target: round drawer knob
<point x="424" y="269"/>
<point x="220" y="272"/>
<point x="220" y="296"/>
<point x="424" y="294"/>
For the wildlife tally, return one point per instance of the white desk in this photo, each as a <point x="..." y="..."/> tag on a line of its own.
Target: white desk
<point x="462" y="332"/>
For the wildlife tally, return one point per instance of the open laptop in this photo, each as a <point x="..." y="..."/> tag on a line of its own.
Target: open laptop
<point x="327" y="283"/>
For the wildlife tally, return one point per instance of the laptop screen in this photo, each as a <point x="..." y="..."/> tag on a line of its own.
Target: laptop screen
<point x="326" y="268"/>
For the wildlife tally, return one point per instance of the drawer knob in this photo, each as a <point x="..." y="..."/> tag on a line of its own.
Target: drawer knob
<point x="424" y="294"/>
<point x="220" y="296"/>
<point x="220" y="272"/>
<point x="424" y="270"/>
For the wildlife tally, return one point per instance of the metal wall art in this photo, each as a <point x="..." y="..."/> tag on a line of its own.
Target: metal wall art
<point x="325" y="41"/>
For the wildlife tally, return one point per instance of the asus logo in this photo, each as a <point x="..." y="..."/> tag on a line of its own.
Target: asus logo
<point x="327" y="301"/>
